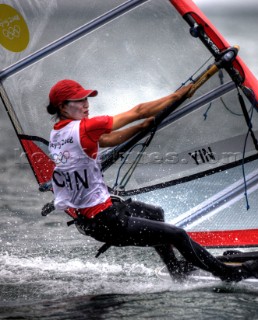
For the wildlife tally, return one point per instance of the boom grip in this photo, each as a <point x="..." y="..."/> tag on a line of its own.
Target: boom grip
<point x="202" y="79"/>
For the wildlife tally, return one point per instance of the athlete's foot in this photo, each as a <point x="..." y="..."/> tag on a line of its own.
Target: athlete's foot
<point x="229" y="278"/>
<point x="248" y="269"/>
<point x="252" y="267"/>
<point x="232" y="277"/>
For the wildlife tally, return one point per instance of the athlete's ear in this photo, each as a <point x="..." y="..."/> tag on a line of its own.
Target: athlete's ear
<point x="63" y="105"/>
<point x="63" y="109"/>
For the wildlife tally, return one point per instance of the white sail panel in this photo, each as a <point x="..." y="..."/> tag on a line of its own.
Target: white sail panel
<point x="49" y="20"/>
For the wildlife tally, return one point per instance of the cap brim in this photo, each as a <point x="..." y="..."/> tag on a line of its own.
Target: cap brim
<point x="84" y="94"/>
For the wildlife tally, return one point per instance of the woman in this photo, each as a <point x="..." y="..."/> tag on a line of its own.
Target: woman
<point x="80" y="190"/>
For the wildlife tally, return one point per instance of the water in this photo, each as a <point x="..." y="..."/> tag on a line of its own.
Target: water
<point x="48" y="271"/>
<point x="194" y="304"/>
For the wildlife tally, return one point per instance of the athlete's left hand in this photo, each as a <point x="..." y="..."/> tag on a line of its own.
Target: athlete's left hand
<point x="147" y="123"/>
<point x="49" y="207"/>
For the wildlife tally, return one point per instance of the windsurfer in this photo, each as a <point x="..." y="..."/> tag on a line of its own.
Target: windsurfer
<point x="79" y="188"/>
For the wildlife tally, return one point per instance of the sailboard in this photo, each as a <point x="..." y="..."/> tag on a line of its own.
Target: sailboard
<point x="202" y="277"/>
<point x="204" y="149"/>
<point x="231" y="257"/>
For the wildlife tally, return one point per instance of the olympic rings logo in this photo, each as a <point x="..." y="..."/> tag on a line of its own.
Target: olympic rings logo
<point x="12" y="32"/>
<point x="62" y="157"/>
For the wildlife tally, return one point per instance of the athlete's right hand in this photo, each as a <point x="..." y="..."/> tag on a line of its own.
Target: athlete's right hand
<point x="184" y="90"/>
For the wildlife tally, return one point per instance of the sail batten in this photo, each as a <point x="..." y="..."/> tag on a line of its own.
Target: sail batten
<point x="68" y="38"/>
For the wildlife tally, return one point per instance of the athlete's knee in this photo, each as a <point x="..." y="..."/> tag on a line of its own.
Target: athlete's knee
<point x="160" y="214"/>
<point x="156" y="213"/>
<point x="147" y="211"/>
<point x="180" y="234"/>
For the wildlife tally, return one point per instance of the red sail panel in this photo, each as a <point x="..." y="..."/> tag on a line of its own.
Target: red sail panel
<point x="189" y="7"/>
<point x="41" y="164"/>
<point x="226" y="238"/>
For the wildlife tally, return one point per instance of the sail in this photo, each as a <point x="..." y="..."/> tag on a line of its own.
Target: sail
<point x="132" y="52"/>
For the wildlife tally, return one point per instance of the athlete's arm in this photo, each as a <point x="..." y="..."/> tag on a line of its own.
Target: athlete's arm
<point x="116" y="137"/>
<point x="148" y="109"/>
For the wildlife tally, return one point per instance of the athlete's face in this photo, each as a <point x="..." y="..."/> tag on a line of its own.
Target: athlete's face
<point x="76" y="110"/>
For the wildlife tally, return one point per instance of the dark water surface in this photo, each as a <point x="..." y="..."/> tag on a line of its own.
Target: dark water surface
<point x="201" y="303"/>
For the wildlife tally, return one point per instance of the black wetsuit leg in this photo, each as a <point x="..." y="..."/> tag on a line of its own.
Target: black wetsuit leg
<point x="144" y="232"/>
<point x="165" y="251"/>
<point x="119" y="226"/>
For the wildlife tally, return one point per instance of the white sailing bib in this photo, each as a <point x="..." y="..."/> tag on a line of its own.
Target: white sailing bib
<point x="77" y="178"/>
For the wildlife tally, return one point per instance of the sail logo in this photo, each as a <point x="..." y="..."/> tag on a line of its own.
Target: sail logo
<point x="203" y="156"/>
<point x="14" y="32"/>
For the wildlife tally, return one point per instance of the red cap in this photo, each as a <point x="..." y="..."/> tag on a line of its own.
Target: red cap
<point x="68" y="90"/>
